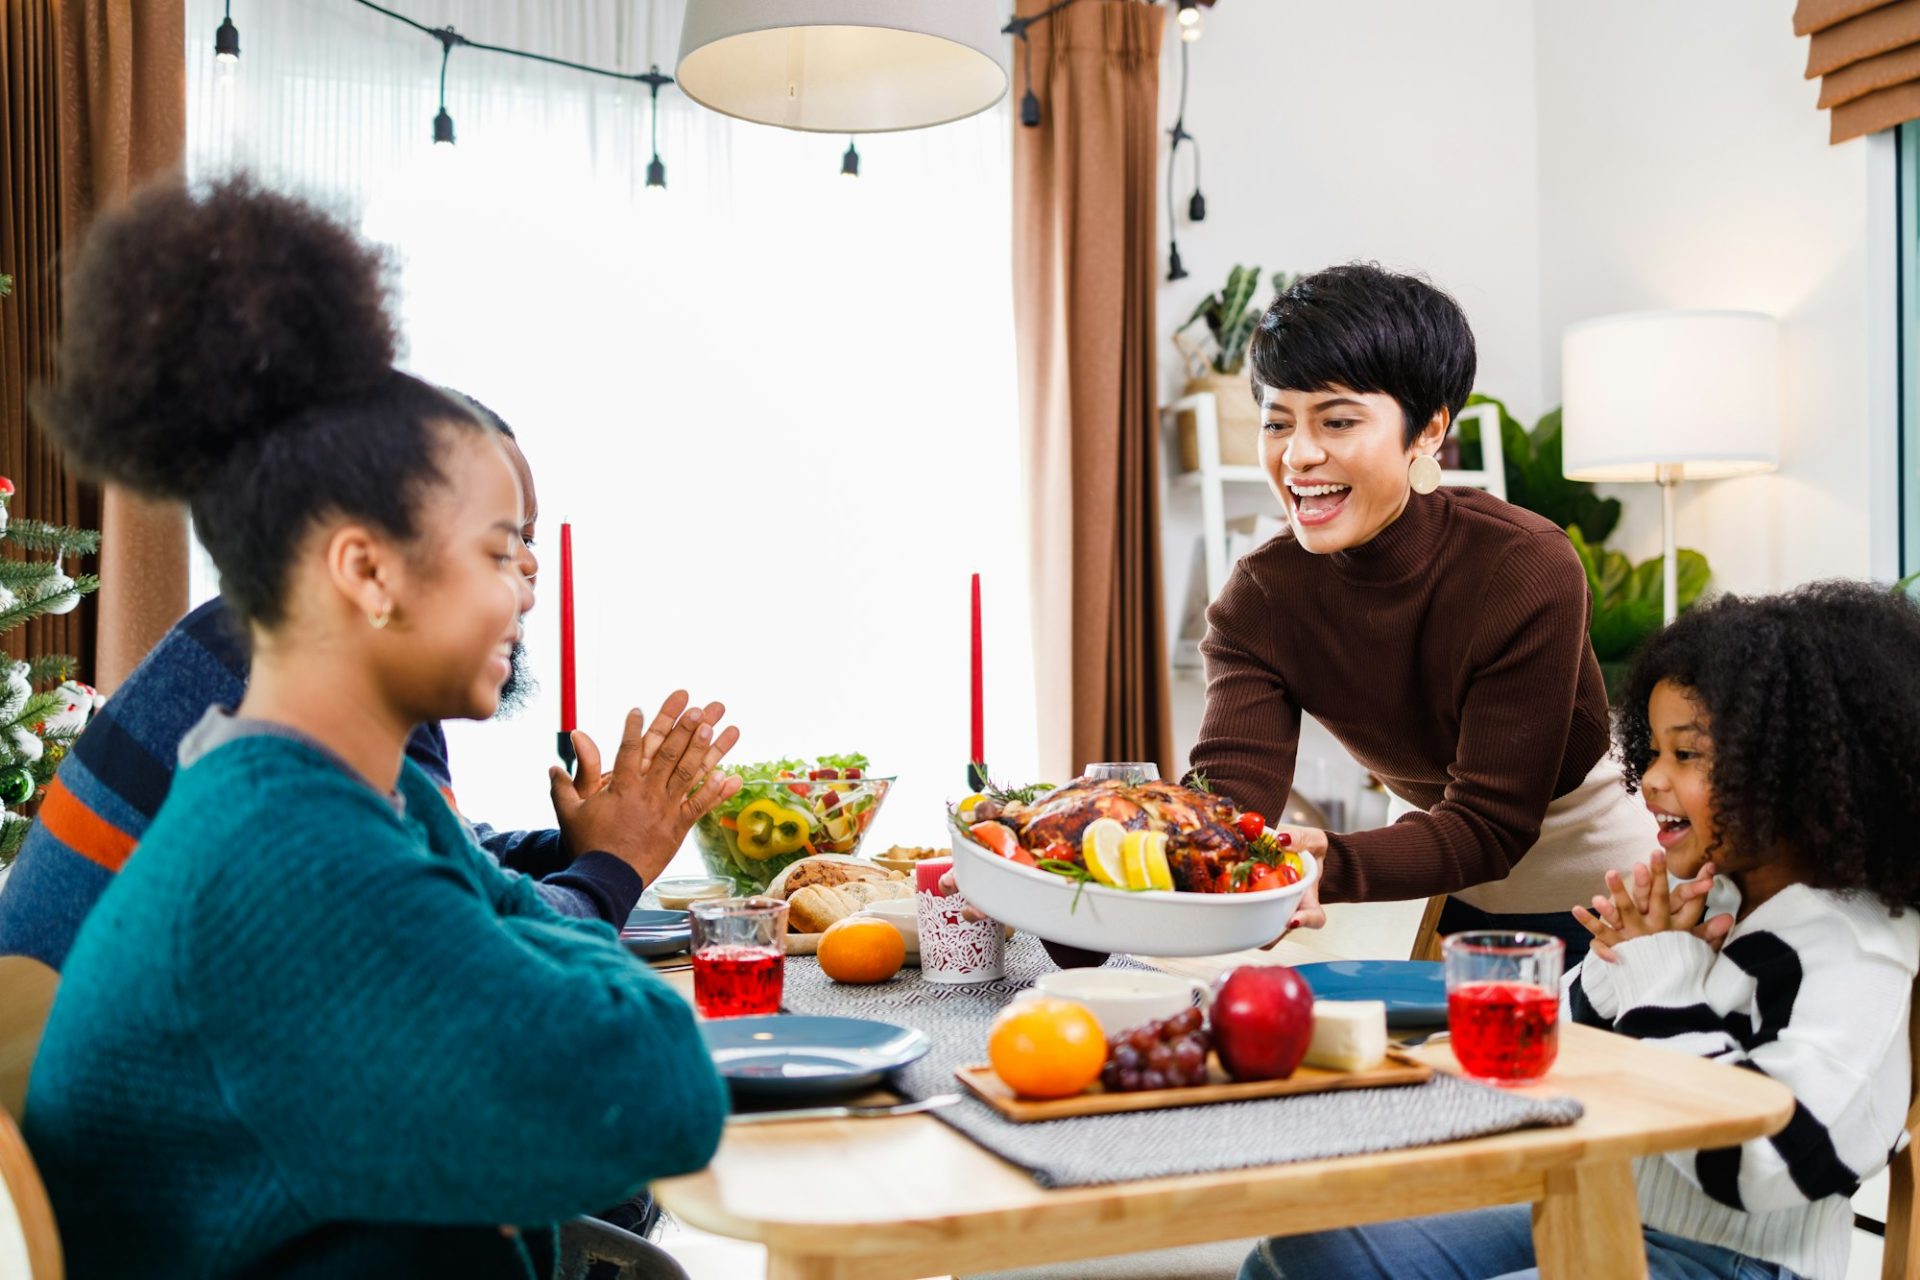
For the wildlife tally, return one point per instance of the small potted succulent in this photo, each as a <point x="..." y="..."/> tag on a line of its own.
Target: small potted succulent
<point x="1218" y="363"/>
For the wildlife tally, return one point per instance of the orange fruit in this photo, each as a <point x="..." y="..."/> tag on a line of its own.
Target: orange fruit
<point x="1047" y="1048"/>
<point x="861" y="949"/>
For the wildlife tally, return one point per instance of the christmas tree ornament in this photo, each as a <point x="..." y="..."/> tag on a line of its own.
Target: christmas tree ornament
<point x="6" y="500"/>
<point x="16" y="785"/>
<point x="58" y="592"/>
<point x="27" y="747"/>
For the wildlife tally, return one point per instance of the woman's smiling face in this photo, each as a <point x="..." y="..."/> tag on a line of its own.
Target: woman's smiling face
<point x="1337" y="460"/>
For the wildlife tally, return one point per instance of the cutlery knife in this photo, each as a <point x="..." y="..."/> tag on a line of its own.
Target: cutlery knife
<point x="845" y="1113"/>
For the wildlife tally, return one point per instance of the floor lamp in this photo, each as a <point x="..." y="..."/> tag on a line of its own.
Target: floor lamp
<point x="1666" y="396"/>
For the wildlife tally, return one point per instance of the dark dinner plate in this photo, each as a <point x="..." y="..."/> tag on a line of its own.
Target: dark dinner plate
<point x="657" y="933"/>
<point x="796" y="1054"/>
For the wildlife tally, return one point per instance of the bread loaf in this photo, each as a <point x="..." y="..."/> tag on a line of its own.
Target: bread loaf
<point x="826" y="871"/>
<point x="814" y="908"/>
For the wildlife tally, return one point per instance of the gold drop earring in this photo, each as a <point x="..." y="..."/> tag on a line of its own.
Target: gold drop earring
<point x="382" y="618"/>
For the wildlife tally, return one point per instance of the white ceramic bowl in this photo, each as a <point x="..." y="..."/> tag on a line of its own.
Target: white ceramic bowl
<point x="1151" y="923"/>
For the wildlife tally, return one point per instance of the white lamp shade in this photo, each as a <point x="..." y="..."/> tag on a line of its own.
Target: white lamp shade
<point x="1694" y="392"/>
<point x="843" y="66"/>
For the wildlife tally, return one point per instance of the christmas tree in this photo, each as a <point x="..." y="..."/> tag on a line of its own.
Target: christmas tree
<point x="42" y="707"/>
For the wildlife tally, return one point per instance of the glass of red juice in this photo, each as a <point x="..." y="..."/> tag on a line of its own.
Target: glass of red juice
<point x="1503" y="1003"/>
<point x="739" y="956"/>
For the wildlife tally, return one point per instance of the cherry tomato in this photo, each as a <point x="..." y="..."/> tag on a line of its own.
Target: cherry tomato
<point x="1250" y="825"/>
<point x="1223" y="883"/>
<point x="1288" y="875"/>
<point x="1263" y="879"/>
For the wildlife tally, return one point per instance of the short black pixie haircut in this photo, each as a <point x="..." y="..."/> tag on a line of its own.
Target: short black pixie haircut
<point x="1813" y="706"/>
<point x="1373" y="331"/>
<point x="233" y="347"/>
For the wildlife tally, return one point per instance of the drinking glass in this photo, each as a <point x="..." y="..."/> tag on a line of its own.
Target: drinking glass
<point x="1128" y="771"/>
<point x="1503" y="1003"/>
<point x="739" y="956"/>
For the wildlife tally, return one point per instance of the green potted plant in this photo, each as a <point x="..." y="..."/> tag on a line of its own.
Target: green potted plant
<point x="1217" y="363"/>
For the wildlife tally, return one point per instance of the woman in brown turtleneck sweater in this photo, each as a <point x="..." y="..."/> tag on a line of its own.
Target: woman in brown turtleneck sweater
<point x="1439" y="634"/>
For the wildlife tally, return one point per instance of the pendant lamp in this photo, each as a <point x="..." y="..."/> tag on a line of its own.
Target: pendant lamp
<point x="843" y="66"/>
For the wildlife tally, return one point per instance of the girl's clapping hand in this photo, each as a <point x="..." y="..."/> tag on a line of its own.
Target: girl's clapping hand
<point x="1647" y="907"/>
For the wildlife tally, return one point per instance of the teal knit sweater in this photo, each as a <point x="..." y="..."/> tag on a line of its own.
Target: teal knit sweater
<point x="304" y="1034"/>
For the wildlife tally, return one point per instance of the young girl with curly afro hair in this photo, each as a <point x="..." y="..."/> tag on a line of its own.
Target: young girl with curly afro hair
<point x="1776" y="740"/>
<point x="311" y="1028"/>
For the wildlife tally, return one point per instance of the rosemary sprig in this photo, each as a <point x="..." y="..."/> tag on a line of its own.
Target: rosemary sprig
<point x="1199" y="781"/>
<point x="1072" y="871"/>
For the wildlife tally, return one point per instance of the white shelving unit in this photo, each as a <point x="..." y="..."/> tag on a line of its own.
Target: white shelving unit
<point x="1213" y="477"/>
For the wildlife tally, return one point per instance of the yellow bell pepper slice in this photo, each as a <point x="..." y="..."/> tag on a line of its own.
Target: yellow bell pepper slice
<point x="768" y="830"/>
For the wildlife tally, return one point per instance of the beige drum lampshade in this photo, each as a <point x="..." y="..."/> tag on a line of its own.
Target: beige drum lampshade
<point x="844" y="66"/>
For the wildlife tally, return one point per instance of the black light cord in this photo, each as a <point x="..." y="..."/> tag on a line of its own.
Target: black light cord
<point x="1197" y="205"/>
<point x="1017" y="28"/>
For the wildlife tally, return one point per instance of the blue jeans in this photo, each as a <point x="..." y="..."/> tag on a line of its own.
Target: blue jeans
<point x="1487" y="1244"/>
<point x="1457" y="917"/>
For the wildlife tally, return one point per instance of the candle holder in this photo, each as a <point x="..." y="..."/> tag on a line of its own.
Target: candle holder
<point x="564" y="745"/>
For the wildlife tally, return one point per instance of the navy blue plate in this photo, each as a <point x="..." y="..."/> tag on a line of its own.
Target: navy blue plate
<point x="1415" y="991"/>
<point x="657" y="933"/>
<point x="795" y="1054"/>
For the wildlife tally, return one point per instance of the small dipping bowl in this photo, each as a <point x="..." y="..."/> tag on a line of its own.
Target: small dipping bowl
<point x="680" y="892"/>
<point x="902" y="914"/>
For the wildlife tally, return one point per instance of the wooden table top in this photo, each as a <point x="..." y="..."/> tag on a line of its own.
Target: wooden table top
<point x="910" y="1196"/>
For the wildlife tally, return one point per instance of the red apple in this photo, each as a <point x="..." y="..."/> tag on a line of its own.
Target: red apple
<point x="1262" y="1020"/>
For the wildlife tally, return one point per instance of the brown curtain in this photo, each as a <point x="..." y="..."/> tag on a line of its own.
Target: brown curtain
<point x="1867" y="54"/>
<point x="123" y="119"/>
<point x="30" y="320"/>
<point x="1085" y="267"/>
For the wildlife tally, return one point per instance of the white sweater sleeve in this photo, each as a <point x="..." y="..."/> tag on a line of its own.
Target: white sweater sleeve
<point x="1823" y="1016"/>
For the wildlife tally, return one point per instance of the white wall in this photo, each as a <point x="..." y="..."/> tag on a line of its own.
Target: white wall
<point x="1682" y="164"/>
<point x="1399" y="131"/>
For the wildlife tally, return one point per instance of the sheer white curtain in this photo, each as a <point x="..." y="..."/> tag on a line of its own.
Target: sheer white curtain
<point x="776" y="404"/>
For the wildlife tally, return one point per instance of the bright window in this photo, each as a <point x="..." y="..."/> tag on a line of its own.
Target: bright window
<point x="777" y="404"/>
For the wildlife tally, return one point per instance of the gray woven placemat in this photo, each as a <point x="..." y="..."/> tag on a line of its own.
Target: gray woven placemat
<point x="1090" y="1150"/>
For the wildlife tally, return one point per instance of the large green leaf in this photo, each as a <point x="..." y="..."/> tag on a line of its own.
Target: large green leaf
<point x="1691" y="577"/>
<point x="1615" y="571"/>
<point x="1589" y="559"/>
<point x="1621" y="627"/>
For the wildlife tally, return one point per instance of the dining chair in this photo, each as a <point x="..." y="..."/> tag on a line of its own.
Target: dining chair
<point x="1426" y="939"/>
<point x="27" y="1230"/>
<point x="1900" y="1254"/>
<point x="27" y="987"/>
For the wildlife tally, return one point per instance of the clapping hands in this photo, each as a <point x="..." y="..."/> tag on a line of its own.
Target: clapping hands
<point x="665" y="777"/>
<point x="1647" y="907"/>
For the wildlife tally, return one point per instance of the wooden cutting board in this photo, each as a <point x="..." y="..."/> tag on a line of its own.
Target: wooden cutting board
<point x="1397" y="1069"/>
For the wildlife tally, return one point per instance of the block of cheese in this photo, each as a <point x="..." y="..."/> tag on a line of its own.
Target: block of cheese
<point x="1348" y="1035"/>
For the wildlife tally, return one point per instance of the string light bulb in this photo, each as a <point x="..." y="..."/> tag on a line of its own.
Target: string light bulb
<point x="226" y="39"/>
<point x="850" y="162"/>
<point x="656" y="168"/>
<point x="443" y="123"/>
<point x="1192" y="21"/>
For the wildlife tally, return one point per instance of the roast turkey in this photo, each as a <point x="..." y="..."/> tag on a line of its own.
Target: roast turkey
<point x="1201" y="838"/>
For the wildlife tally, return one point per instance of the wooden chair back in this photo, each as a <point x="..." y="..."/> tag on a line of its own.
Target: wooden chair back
<point x="26" y="1218"/>
<point x="1900" y="1258"/>
<point x="1426" y="942"/>
<point x="26" y="996"/>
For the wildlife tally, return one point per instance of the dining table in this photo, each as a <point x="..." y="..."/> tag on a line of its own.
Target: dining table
<point x="906" y="1197"/>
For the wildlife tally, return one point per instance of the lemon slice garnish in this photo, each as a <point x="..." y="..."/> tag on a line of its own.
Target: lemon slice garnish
<point x="1134" y="858"/>
<point x="1101" y="848"/>
<point x="971" y="803"/>
<point x="1153" y="850"/>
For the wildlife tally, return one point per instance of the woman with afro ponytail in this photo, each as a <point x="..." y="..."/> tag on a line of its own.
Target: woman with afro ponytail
<point x="311" y="1027"/>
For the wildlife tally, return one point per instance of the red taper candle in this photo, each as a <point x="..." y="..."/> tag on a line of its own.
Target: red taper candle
<point x="568" y="714"/>
<point x="979" y="755"/>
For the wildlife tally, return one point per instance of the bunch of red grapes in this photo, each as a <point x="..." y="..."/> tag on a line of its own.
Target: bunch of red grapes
<point x="1167" y="1054"/>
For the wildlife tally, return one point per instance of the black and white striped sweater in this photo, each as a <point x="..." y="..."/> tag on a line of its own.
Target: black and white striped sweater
<point x="1813" y="989"/>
